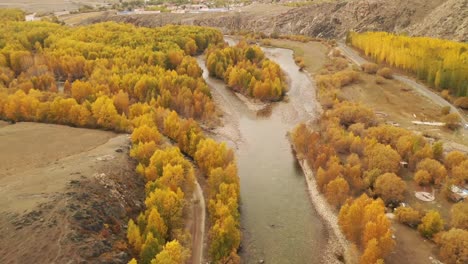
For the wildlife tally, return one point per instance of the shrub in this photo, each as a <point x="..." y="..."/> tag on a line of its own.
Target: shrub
<point x="436" y="170"/>
<point x="452" y="121"/>
<point x="379" y="80"/>
<point x="336" y="53"/>
<point x="387" y="73"/>
<point x="459" y="215"/>
<point x="422" y="177"/>
<point x="390" y="187"/>
<point x="431" y="224"/>
<point x="408" y="216"/>
<point x="445" y="94"/>
<point x="266" y="42"/>
<point x="453" y="159"/>
<point x="462" y="102"/>
<point x="344" y="78"/>
<point x="370" y="68"/>
<point x="340" y="63"/>
<point x="300" y="62"/>
<point x="445" y="110"/>
<point x="453" y="246"/>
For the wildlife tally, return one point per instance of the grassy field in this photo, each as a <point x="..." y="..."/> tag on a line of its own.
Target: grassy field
<point x="314" y="53"/>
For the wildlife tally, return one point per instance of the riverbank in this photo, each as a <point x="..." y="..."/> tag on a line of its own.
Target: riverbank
<point x="336" y="250"/>
<point x="337" y="245"/>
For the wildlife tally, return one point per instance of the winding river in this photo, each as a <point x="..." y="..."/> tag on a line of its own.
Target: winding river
<point x="279" y="223"/>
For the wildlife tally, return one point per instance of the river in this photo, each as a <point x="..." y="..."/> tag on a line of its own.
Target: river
<point x="279" y="223"/>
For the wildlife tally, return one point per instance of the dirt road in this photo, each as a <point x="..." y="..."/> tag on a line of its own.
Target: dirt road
<point x="423" y="90"/>
<point x="198" y="232"/>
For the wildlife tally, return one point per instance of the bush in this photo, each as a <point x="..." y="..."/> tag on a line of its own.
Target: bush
<point x="370" y="68"/>
<point x="462" y="102"/>
<point x="340" y="63"/>
<point x="445" y="110"/>
<point x="336" y="53"/>
<point x="453" y="246"/>
<point x="408" y="216"/>
<point x="434" y="168"/>
<point x="422" y="177"/>
<point x="459" y="215"/>
<point x="300" y="62"/>
<point x="454" y="158"/>
<point x="379" y="80"/>
<point x="431" y="224"/>
<point x="452" y="121"/>
<point x="390" y="187"/>
<point x="445" y="94"/>
<point x="387" y="73"/>
<point x="266" y="42"/>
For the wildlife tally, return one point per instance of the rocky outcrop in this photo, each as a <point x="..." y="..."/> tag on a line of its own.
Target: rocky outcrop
<point x="449" y="20"/>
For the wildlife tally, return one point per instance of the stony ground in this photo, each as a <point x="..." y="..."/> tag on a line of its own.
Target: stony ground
<point x="330" y="19"/>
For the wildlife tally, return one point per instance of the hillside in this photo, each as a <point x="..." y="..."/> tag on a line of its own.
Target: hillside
<point x="436" y="18"/>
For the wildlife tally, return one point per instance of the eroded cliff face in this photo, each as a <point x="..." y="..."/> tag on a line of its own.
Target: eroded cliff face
<point x="436" y="18"/>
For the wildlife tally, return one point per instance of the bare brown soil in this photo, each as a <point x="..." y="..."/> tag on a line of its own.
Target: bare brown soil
<point x="44" y="6"/>
<point x="328" y="19"/>
<point x="66" y="194"/>
<point x="411" y="247"/>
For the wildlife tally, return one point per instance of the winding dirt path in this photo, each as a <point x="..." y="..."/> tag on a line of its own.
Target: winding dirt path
<point x="423" y="90"/>
<point x="198" y="232"/>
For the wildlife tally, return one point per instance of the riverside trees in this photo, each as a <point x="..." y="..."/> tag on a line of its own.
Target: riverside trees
<point x="245" y="69"/>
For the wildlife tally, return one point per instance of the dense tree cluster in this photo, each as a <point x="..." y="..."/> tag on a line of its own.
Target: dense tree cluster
<point x="108" y="62"/>
<point x="441" y="63"/>
<point x="139" y="80"/>
<point x="245" y="69"/>
<point x="7" y="14"/>
<point x="158" y="231"/>
<point x="364" y="223"/>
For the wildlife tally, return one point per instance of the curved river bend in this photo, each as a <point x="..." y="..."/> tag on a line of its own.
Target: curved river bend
<point x="279" y="223"/>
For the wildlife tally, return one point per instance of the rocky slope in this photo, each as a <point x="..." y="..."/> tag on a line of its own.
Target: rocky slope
<point x="436" y="18"/>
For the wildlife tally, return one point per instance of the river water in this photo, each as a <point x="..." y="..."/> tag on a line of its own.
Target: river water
<point x="279" y="223"/>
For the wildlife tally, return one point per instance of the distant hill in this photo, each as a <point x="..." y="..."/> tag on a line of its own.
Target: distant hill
<point x="436" y="18"/>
